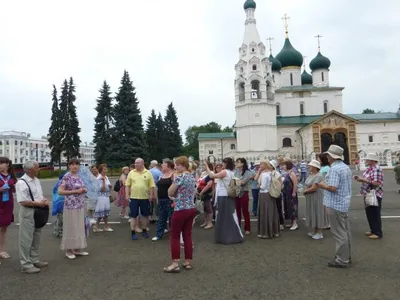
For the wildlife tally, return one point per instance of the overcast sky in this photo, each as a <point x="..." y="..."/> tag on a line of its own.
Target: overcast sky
<point x="183" y="51"/>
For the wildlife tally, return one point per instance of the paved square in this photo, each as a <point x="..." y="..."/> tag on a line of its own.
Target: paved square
<point x="291" y="267"/>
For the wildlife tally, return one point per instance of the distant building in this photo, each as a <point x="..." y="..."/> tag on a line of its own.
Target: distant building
<point x="20" y="147"/>
<point x="283" y="110"/>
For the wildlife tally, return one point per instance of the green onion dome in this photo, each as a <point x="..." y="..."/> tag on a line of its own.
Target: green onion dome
<point x="276" y="64"/>
<point x="320" y="62"/>
<point x="289" y="57"/>
<point x="249" y="4"/>
<point x="306" y="78"/>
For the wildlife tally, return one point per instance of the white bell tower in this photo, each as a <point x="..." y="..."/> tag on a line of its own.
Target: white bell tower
<point x="256" y="128"/>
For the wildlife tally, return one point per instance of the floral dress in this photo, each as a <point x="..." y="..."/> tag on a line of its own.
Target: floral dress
<point x="291" y="203"/>
<point x="121" y="197"/>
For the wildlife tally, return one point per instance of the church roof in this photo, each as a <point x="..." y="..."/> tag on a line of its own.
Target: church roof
<point x="320" y="62"/>
<point x="249" y="4"/>
<point x="289" y="56"/>
<point x="304" y="120"/>
<point x="216" y="135"/>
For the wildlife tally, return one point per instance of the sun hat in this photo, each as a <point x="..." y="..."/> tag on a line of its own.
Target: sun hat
<point x="335" y="152"/>
<point x="315" y="163"/>
<point x="154" y="162"/>
<point x="372" y="156"/>
<point x="274" y="164"/>
<point x="257" y="163"/>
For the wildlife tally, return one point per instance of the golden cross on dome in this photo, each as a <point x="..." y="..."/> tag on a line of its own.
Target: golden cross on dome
<point x="270" y="44"/>
<point x="286" y="25"/>
<point x="319" y="42"/>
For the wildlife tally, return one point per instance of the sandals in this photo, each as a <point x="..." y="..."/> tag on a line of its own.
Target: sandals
<point x="4" y="255"/>
<point x="173" y="270"/>
<point x="187" y="266"/>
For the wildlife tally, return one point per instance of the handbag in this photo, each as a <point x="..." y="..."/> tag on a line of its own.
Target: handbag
<point x="370" y="198"/>
<point x="275" y="187"/>
<point x="41" y="214"/>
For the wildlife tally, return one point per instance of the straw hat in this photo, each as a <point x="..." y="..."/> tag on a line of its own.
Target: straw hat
<point x="315" y="163"/>
<point x="274" y="164"/>
<point x="257" y="163"/>
<point x="335" y="152"/>
<point x="372" y="156"/>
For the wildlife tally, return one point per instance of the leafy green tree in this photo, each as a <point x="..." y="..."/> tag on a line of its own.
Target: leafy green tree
<point x="368" y="111"/>
<point x="127" y="136"/>
<point x="192" y="133"/>
<point x="55" y="131"/>
<point x="160" y="137"/>
<point x="71" y="141"/>
<point x="152" y="136"/>
<point x="172" y="138"/>
<point x="102" y="124"/>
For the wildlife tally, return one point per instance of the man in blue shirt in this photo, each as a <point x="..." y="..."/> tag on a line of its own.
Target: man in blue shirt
<point x="337" y="196"/>
<point x="154" y="169"/>
<point x="254" y="188"/>
<point x="303" y="170"/>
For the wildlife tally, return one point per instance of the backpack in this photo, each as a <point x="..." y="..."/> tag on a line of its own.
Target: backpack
<point x="117" y="186"/>
<point x="275" y="187"/>
<point x="232" y="189"/>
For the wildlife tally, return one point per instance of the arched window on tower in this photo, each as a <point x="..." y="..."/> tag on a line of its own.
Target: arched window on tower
<point x="291" y="79"/>
<point x="301" y="108"/>
<point x="325" y="106"/>
<point x="255" y="89"/>
<point x="254" y="67"/>
<point x="286" y="142"/>
<point x="233" y="147"/>
<point x="270" y="95"/>
<point x="322" y="76"/>
<point x="241" y="92"/>
<point x="278" y="109"/>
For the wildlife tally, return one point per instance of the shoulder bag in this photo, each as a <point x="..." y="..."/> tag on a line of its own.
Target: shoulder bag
<point x="275" y="187"/>
<point x="233" y="190"/>
<point x="41" y="214"/>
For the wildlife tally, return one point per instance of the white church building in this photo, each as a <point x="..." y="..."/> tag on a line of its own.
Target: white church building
<point x="284" y="111"/>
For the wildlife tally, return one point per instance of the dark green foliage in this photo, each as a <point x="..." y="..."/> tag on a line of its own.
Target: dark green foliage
<point x="127" y="136"/>
<point x="152" y="136"/>
<point x="172" y="138"/>
<point x="55" y="130"/>
<point x="102" y="124"/>
<point x="368" y="111"/>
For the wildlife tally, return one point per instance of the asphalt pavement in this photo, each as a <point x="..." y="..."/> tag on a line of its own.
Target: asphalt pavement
<point x="290" y="267"/>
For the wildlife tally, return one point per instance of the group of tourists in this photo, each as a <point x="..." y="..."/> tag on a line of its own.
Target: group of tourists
<point x="178" y="191"/>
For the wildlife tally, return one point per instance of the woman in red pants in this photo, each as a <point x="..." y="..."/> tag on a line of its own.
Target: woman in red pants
<point x="182" y="192"/>
<point x="243" y="175"/>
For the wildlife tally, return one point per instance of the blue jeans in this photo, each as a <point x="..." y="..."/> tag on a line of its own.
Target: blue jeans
<point x="165" y="214"/>
<point x="254" y="193"/>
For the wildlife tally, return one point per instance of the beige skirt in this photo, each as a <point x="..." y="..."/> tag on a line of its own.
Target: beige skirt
<point x="74" y="236"/>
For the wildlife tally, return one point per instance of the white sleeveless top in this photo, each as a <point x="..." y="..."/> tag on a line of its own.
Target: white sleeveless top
<point x="220" y="188"/>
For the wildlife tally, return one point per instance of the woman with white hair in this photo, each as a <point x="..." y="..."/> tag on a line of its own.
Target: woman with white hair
<point x="315" y="217"/>
<point x="372" y="179"/>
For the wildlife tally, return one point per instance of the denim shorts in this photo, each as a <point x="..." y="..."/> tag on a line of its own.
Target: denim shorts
<point x="143" y="205"/>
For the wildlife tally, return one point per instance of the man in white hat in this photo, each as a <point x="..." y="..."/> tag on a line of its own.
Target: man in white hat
<point x="337" y="197"/>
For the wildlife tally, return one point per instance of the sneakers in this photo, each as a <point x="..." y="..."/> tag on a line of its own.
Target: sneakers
<point x="40" y="264"/>
<point x="294" y="227"/>
<point x="96" y="229"/>
<point x="108" y="229"/>
<point x="134" y="237"/>
<point x="155" y="239"/>
<point x="318" y="236"/>
<point x="145" y="234"/>
<point x="126" y="217"/>
<point x="311" y="234"/>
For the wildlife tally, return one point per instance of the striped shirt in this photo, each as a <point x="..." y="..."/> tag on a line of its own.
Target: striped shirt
<point x="339" y="176"/>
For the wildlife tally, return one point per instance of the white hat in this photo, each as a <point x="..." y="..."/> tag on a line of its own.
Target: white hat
<point x="154" y="162"/>
<point x="372" y="156"/>
<point x="274" y="164"/>
<point x="257" y="163"/>
<point x="335" y="152"/>
<point x="315" y="163"/>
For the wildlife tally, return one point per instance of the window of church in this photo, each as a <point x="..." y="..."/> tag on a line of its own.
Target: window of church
<point x="291" y="79"/>
<point x="241" y="92"/>
<point x="252" y="50"/>
<point x="233" y="146"/>
<point x="255" y="89"/>
<point x="371" y="138"/>
<point x="254" y="67"/>
<point x="325" y="107"/>
<point x="301" y="109"/>
<point x="278" y="109"/>
<point x="286" y="142"/>
<point x="398" y="137"/>
<point x="241" y="69"/>
<point x="322" y="76"/>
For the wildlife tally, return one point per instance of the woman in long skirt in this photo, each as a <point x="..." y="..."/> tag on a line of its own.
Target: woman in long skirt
<point x="74" y="237"/>
<point x="227" y="229"/>
<point x="102" y="210"/>
<point x="121" y="198"/>
<point x="315" y="210"/>
<point x="323" y="159"/>
<point x="290" y="195"/>
<point x="268" y="216"/>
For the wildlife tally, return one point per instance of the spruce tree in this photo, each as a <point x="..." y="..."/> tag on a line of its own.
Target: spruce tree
<point x="55" y="131"/>
<point x="172" y="138"/>
<point x="71" y="140"/>
<point x="102" y="124"/>
<point x="128" y="138"/>
<point x="151" y="136"/>
<point x="160" y="137"/>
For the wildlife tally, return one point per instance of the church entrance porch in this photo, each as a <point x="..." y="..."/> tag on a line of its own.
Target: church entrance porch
<point x="338" y="129"/>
